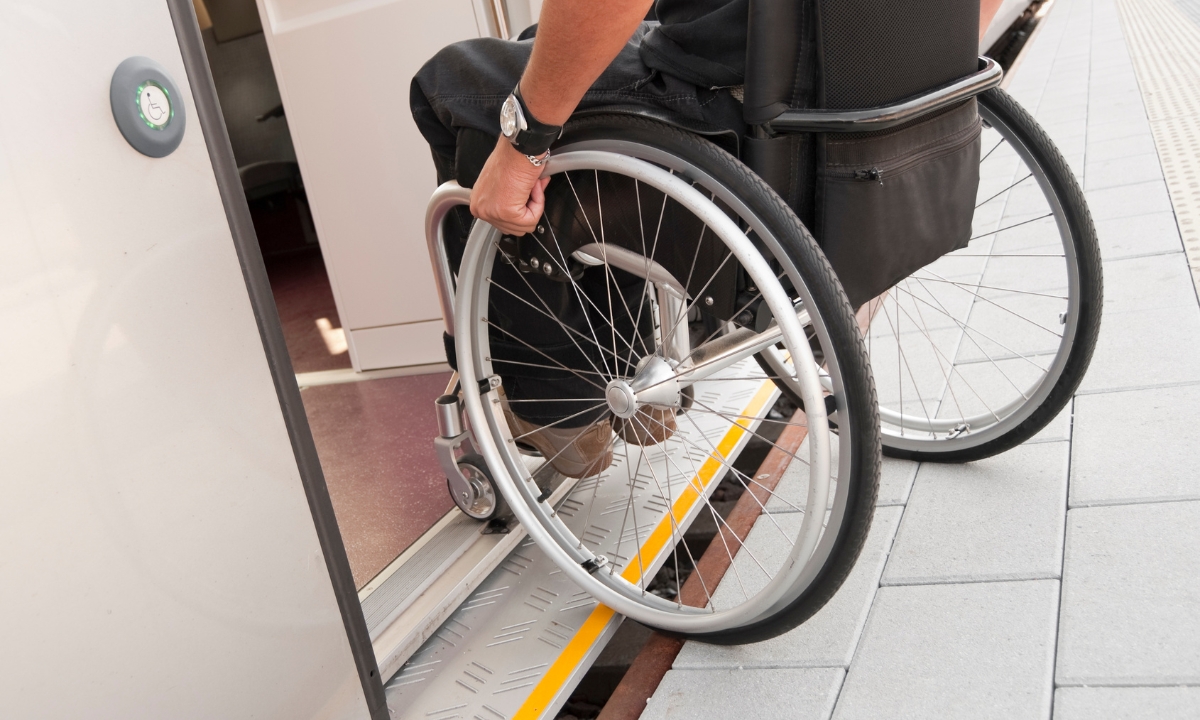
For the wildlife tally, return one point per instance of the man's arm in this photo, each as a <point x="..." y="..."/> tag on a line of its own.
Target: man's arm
<point x="576" y="41"/>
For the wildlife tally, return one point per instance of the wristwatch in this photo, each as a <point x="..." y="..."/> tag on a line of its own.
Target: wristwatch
<point x="531" y="137"/>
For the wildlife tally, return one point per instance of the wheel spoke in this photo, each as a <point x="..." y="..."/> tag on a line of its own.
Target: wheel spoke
<point x="572" y="416"/>
<point x="1010" y="227"/>
<point x="569" y="331"/>
<point x="994" y="147"/>
<point x="539" y="352"/>
<point x="1010" y="187"/>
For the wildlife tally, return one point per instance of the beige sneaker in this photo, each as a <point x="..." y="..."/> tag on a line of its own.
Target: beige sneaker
<point x="649" y="426"/>
<point x="569" y="452"/>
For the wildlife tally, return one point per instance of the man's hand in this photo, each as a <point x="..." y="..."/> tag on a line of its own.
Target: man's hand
<point x="576" y="40"/>
<point x="510" y="191"/>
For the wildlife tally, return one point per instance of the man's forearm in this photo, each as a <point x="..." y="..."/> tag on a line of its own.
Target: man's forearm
<point x="576" y="41"/>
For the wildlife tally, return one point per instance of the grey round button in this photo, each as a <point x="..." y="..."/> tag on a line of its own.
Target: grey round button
<point x="147" y="107"/>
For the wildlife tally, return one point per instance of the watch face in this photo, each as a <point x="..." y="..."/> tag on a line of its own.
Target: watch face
<point x="508" y="117"/>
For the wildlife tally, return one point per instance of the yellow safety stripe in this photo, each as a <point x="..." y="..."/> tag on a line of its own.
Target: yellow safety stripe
<point x="587" y="635"/>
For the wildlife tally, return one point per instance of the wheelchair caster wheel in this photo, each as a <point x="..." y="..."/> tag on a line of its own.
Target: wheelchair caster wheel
<point x="480" y="499"/>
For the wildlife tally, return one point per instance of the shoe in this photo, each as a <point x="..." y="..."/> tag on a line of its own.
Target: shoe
<point x="569" y="452"/>
<point x="649" y="426"/>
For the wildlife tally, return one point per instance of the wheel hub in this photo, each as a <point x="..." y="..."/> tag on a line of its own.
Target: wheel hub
<point x="653" y="383"/>
<point x="621" y="399"/>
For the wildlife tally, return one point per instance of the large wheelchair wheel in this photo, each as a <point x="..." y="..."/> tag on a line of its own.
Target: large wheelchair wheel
<point x="648" y="233"/>
<point x="980" y="350"/>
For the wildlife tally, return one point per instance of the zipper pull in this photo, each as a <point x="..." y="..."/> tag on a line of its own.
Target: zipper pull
<point x="872" y="174"/>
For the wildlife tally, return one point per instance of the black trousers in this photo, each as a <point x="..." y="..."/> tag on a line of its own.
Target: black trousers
<point x="545" y="343"/>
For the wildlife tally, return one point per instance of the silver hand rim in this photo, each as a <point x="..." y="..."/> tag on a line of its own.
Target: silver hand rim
<point x="549" y="532"/>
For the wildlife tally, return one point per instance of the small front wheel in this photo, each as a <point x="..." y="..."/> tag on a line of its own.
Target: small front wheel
<point x="480" y="500"/>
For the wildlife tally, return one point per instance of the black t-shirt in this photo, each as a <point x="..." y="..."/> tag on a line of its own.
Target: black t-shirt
<point x="700" y="41"/>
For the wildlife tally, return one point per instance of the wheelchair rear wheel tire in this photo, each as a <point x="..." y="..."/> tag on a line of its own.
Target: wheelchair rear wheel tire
<point x="810" y="527"/>
<point x="982" y="349"/>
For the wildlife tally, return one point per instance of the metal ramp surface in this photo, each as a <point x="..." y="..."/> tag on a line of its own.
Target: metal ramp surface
<point x="521" y="641"/>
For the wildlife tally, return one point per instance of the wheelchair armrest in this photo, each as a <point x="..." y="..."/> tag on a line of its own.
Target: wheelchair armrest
<point x="881" y="118"/>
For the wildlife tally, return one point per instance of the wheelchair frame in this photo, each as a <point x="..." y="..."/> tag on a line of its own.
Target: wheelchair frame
<point x="453" y="436"/>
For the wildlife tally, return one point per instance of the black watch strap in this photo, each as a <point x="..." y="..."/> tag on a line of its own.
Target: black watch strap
<point x="537" y="137"/>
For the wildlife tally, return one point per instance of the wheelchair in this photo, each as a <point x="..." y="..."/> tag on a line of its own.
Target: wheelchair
<point x="669" y="274"/>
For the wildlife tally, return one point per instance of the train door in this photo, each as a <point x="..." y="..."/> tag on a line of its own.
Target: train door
<point x="169" y="549"/>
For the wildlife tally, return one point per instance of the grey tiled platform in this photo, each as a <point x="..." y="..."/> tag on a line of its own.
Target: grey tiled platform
<point x="1128" y="200"/>
<point x="1108" y="703"/>
<point x="997" y="598"/>
<point x="977" y="651"/>
<point x="895" y="481"/>
<point x="806" y="694"/>
<point x="1139" y="235"/>
<point x="828" y="638"/>
<point x="1136" y="446"/>
<point x="1131" y="595"/>
<point x="997" y="519"/>
<point x="1148" y="283"/>
<point x="1122" y="171"/>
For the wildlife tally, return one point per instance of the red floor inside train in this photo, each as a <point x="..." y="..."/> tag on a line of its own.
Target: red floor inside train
<point x="374" y="437"/>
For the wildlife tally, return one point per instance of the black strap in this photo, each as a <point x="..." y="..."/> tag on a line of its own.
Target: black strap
<point x="537" y="138"/>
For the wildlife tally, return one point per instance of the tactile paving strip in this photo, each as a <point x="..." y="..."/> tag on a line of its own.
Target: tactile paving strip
<point x="1164" y="42"/>
<point x="519" y="644"/>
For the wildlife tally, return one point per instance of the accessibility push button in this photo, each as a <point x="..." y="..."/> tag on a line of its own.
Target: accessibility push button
<point x="147" y="107"/>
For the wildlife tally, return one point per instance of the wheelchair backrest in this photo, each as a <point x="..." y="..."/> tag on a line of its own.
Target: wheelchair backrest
<point x="844" y="54"/>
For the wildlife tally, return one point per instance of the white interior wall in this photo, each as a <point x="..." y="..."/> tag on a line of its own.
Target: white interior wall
<point x="159" y="556"/>
<point x="344" y="68"/>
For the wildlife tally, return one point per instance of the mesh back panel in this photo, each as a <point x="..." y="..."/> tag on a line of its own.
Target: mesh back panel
<point x="876" y="52"/>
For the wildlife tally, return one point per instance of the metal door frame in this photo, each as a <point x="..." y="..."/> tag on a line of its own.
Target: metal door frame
<point x="237" y="212"/>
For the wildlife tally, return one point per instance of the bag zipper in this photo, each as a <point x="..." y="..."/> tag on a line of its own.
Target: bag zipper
<point x="875" y="173"/>
<point x="872" y="174"/>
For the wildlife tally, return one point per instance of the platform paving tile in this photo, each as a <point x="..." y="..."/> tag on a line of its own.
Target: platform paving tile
<point x="1148" y="283"/>
<point x="1113" y="82"/>
<point x="1100" y="150"/>
<point x="1068" y="115"/>
<point x="995" y="519"/>
<point x="1141" y="703"/>
<point x="1120" y="107"/>
<point x="1127" y="200"/>
<point x="783" y="694"/>
<point x="1064" y="132"/>
<point x="974" y="651"/>
<point x="895" y="481"/>
<point x="1122" y="171"/>
<point x="1136" y="446"/>
<point x="1103" y="129"/>
<point x="1145" y="348"/>
<point x="1139" y="235"/>
<point x="828" y="638"/>
<point x="1117" y="104"/>
<point x="1056" y="430"/>
<point x="1131" y="586"/>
